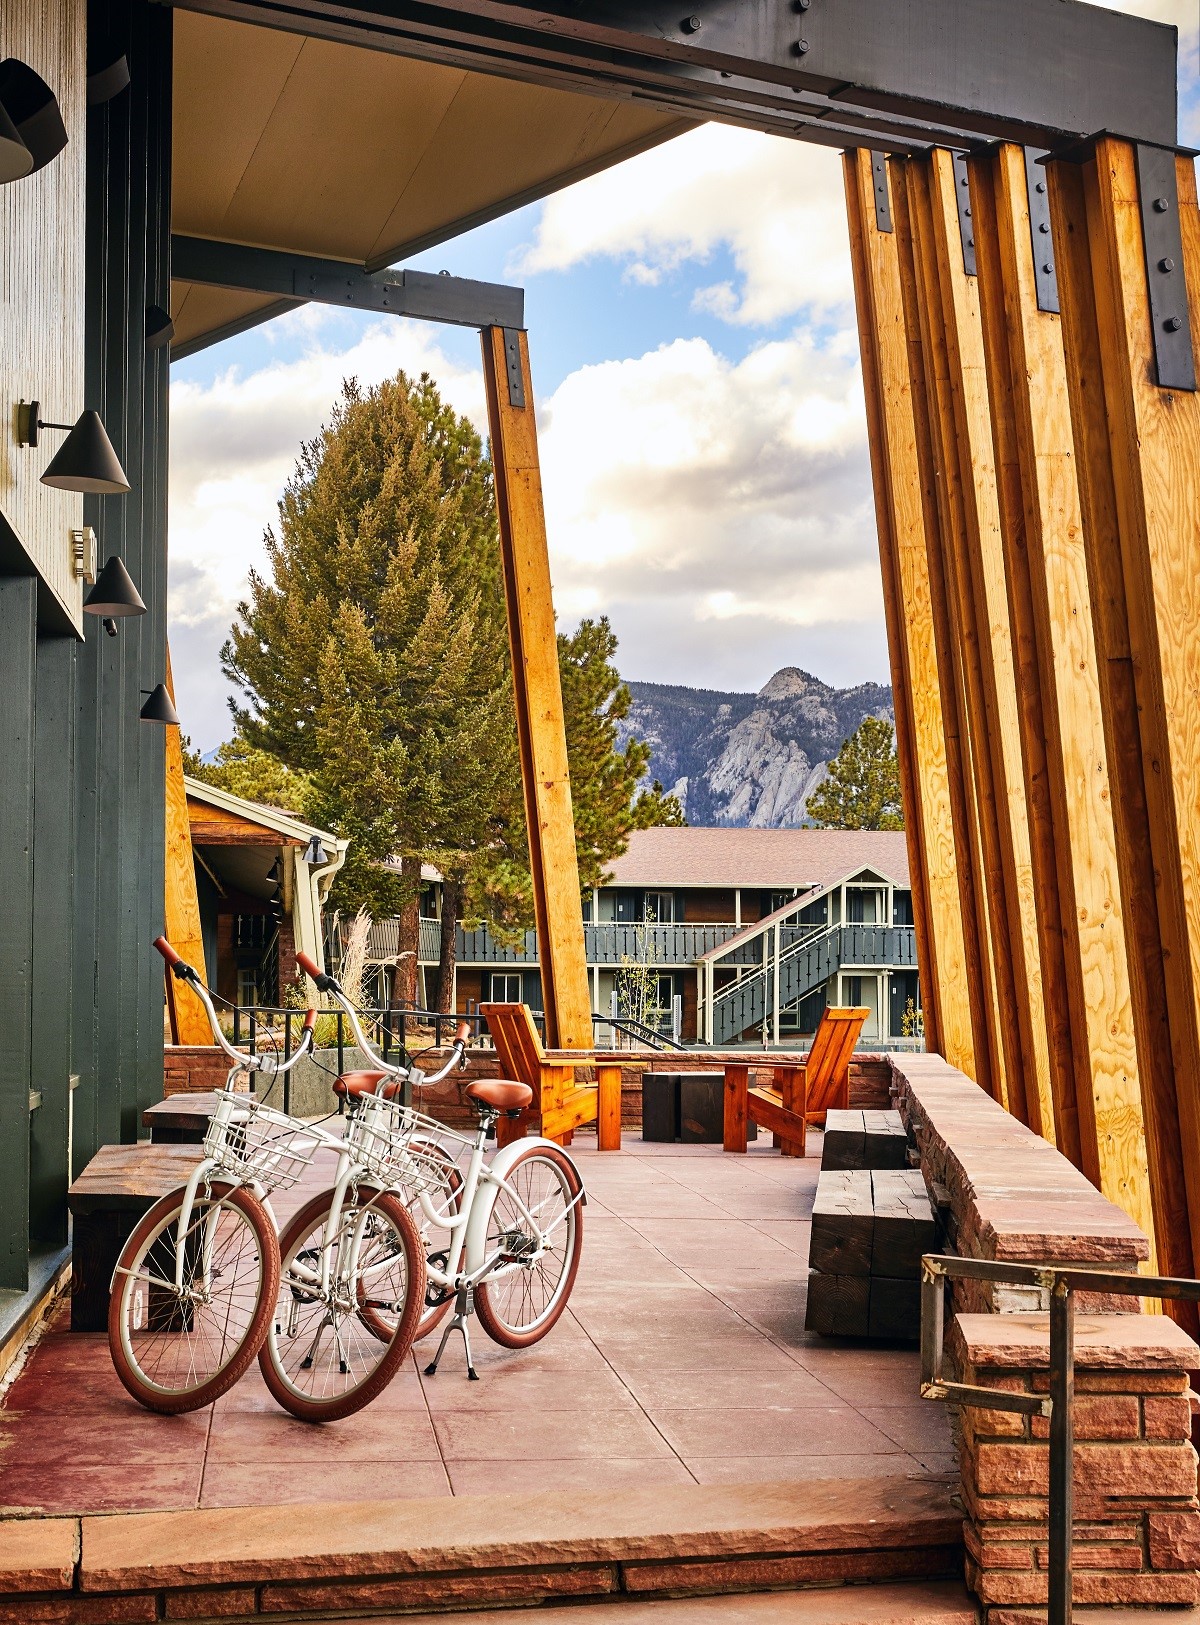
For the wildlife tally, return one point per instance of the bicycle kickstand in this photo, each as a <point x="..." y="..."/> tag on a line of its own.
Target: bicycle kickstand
<point x="464" y="1308"/>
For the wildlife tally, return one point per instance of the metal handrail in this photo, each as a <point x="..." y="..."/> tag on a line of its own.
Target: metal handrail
<point x="1060" y="1282"/>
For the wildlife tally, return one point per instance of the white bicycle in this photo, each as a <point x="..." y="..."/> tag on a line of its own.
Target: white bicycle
<point x="513" y="1227"/>
<point x="196" y="1292"/>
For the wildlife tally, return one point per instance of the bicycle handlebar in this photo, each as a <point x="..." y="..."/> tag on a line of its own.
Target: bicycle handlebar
<point x="271" y="1065"/>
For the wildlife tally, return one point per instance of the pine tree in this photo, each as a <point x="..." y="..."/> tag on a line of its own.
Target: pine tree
<point x="862" y="788"/>
<point x="604" y="794"/>
<point x="373" y="659"/>
<point x="246" y="771"/>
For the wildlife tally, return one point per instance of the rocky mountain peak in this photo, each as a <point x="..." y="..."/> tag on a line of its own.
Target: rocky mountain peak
<point x="750" y="760"/>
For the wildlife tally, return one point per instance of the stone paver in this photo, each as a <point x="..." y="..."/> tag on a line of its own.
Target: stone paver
<point x="683" y="1360"/>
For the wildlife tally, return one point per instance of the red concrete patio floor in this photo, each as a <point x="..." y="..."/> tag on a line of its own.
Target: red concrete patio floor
<point x="683" y="1360"/>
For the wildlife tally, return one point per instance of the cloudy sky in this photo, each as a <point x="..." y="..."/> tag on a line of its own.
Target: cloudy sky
<point x="701" y="420"/>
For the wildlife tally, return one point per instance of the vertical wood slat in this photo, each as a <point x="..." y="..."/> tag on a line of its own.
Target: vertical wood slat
<point x="54" y="914"/>
<point x="537" y="694"/>
<point x="1138" y="452"/>
<point x="1006" y="382"/>
<point x="181" y="902"/>
<point x="923" y="730"/>
<point x="1077" y="868"/>
<point x="856" y="166"/>
<point x="992" y="685"/>
<point x="953" y="618"/>
<point x="18" y="619"/>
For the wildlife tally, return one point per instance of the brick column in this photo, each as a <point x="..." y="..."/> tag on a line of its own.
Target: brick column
<point x="1137" y="1519"/>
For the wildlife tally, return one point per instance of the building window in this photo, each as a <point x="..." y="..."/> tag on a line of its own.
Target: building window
<point x="902" y="908"/>
<point x="506" y="987"/>
<point x="659" y="906"/>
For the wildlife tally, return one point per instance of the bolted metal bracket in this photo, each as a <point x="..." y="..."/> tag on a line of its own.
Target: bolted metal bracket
<point x="883" y="199"/>
<point x="512" y="362"/>
<point x="966" y="225"/>
<point x="1162" y="239"/>
<point x="1045" y="273"/>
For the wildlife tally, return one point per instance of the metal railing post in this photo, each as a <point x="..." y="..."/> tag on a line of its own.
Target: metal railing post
<point x="1062" y="1488"/>
<point x="287" y="1055"/>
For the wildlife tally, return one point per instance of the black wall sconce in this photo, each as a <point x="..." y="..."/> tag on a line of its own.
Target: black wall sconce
<point x="158" y="707"/>
<point x="84" y="462"/>
<point x="114" y="594"/>
<point x="160" y="329"/>
<point x="314" y="852"/>
<point x="31" y="119"/>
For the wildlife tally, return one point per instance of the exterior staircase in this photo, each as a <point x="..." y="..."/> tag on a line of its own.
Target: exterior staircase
<point x="806" y="964"/>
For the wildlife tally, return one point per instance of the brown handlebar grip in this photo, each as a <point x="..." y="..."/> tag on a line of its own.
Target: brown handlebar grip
<point x="310" y="1019"/>
<point x="166" y="950"/>
<point x="463" y="1034"/>
<point x="308" y="965"/>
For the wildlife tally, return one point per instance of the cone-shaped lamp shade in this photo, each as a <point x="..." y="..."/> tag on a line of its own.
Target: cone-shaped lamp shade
<point x="314" y="852"/>
<point x="114" y="592"/>
<point x="33" y="108"/>
<point x="158" y="708"/>
<point x="160" y="329"/>
<point x="86" y="461"/>
<point x="16" y="159"/>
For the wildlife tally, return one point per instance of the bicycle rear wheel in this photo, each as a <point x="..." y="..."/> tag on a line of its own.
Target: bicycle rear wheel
<point x="179" y="1348"/>
<point x="319" y="1359"/>
<point x="519" y="1306"/>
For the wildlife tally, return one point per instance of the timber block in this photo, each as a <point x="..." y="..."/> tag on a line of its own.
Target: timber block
<point x="864" y="1138"/>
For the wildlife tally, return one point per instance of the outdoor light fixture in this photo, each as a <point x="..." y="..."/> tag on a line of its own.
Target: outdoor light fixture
<point x="31" y="110"/>
<point x="16" y="160"/>
<point x="275" y="873"/>
<point x="114" y="593"/>
<point x="160" y="329"/>
<point x="107" y="79"/>
<point x="158" y="707"/>
<point x="84" y="462"/>
<point x="314" y="852"/>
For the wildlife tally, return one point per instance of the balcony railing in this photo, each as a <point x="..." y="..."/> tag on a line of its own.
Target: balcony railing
<point x="605" y="944"/>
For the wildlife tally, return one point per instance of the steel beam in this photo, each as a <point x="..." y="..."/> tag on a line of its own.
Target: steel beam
<point x="297" y="278"/>
<point x="1029" y="71"/>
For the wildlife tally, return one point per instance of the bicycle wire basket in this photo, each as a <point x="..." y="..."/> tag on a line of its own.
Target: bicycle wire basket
<point x="403" y="1148"/>
<point x="261" y="1146"/>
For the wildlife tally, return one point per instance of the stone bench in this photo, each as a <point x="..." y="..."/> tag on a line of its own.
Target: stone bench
<point x="1004" y="1192"/>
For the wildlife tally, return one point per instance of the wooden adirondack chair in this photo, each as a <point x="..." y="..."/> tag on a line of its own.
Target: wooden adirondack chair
<point x="561" y="1104"/>
<point x="801" y="1093"/>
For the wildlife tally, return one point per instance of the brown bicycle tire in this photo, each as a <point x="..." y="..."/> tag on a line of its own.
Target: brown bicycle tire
<point x="333" y="1410"/>
<point x="195" y="1399"/>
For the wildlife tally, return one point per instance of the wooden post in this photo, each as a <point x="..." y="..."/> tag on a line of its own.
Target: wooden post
<point x="1096" y="1060"/>
<point x="181" y="903"/>
<point x="608" y="1107"/>
<point x="737" y="1103"/>
<point x="537" y="691"/>
<point x="924" y="732"/>
<point x="1138" y="458"/>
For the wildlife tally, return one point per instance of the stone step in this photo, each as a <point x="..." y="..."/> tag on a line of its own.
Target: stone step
<point x="388" y="1557"/>
<point x="937" y="1602"/>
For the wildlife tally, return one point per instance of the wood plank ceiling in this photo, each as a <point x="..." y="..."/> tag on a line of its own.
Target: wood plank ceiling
<point x="319" y="148"/>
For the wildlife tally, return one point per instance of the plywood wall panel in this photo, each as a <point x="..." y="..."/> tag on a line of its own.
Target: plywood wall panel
<point x="41" y="305"/>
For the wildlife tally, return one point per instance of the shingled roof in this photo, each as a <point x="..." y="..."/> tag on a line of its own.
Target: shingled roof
<point x="764" y="858"/>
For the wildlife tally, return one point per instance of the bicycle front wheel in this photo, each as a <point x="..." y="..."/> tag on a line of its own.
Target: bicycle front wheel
<point x="320" y="1361"/>
<point x="522" y="1300"/>
<point x="179" y="1347"/>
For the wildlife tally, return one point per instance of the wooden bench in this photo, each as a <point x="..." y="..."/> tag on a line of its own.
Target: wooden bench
<point x="801" y="1092"/>
<point x="864" y="1138"/>
<point x="180" y="1119"/>
<point x="561" y="1103"/>
<point x="119" y="1184"/>
<point x="870" y="1228"/>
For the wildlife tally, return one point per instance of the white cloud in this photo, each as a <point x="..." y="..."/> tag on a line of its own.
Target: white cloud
<point x="721" y="514"/>
<point x="777" y="206"/>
